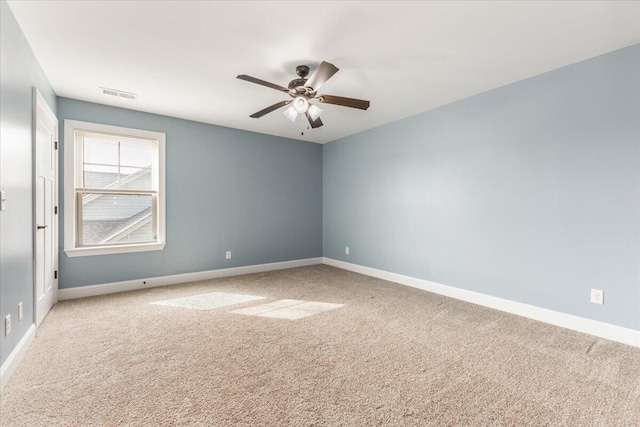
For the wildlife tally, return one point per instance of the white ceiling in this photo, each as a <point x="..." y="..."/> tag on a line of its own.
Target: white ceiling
<point x="181" y="58"/>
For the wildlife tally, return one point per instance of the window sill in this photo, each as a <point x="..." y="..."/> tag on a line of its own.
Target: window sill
<point x="107" y="250"/>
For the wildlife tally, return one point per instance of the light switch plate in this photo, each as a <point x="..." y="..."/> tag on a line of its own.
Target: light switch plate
<point x="7" y="324"/>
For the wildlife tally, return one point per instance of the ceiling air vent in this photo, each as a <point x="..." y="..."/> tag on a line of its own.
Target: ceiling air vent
<point x="118" y="93"/>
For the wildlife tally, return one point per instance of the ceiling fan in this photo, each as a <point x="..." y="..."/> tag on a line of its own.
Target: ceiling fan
<point x="303" y="91"/>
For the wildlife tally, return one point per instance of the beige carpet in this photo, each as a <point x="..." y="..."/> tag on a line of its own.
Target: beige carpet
<point x="392" y="355"/>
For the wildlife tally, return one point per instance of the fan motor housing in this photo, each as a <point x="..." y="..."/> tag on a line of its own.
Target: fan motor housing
<point x="295" y="83"/>
<point x="297" y="86"/>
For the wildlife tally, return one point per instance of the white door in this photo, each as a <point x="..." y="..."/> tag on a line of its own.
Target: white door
<point x="46" y="207"/>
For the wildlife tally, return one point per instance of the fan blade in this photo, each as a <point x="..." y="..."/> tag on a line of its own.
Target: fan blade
<point x="269" y="109"/>
<point x="322" y="74"/>
<point x="314" y="123"/>
<point x="262" y="82"/>
<point x="345" y="102"/>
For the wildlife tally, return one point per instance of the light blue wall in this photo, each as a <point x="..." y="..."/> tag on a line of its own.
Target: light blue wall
<point x="19" y="73"/>
<point x="259" y="196"/>
<point x="530" y="192"/>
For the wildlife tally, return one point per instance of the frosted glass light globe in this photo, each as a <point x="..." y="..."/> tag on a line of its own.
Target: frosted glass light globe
<point x="314" y="112"/>
<point x="290" y="113"/>
<point x="300" y="104"/>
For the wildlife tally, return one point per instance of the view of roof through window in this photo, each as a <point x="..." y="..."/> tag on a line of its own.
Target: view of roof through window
<point x="116" y="177"/>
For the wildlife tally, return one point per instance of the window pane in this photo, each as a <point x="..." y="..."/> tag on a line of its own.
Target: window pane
<point x="142" y="233"/>
<point x="111" y="218"/>
<point x="99" y="150"/>
<point x="135" y="178"/>
<point x="100" y="176"/>
<point x="111" y="161"/>
<point x="136" y="153"/>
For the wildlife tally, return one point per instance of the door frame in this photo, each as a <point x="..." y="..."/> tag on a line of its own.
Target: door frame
<point x="40" y="106"/>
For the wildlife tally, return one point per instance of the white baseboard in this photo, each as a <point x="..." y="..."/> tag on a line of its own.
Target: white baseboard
<point x="152" y="282"/>
<point x="16" y="356"/>
<point x="576" y="323"/>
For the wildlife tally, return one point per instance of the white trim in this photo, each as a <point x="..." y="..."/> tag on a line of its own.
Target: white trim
<point x="131" y="285"/>
<point x="9" y="366"/>
<point x="70" y="126"/>
<point x="569" y="321"/>
<point x="115" y="249"/>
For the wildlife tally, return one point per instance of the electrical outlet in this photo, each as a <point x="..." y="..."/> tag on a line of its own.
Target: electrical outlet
<point x="597" y="296"/>
<point x="346" y="250"/>
<point x="20" y="311"/>
<point x="228" y="255"/>
<point x="7" y="324"/>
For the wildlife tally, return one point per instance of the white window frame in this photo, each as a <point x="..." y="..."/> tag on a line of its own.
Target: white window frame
<point x="70" y="211"/>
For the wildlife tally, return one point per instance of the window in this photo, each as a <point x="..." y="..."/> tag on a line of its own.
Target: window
<point x="114" y="189"/>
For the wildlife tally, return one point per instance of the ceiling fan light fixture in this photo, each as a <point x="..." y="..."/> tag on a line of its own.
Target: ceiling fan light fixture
<point x="290" y="113"/>
<point x="300" y="104"/>
<point x="314" y="112"/>
<point x="302" y="90"/>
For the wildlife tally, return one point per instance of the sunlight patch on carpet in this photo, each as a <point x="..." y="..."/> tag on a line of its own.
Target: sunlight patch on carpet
<point x="208" y="301"/>
<point x="289" y="309"/>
